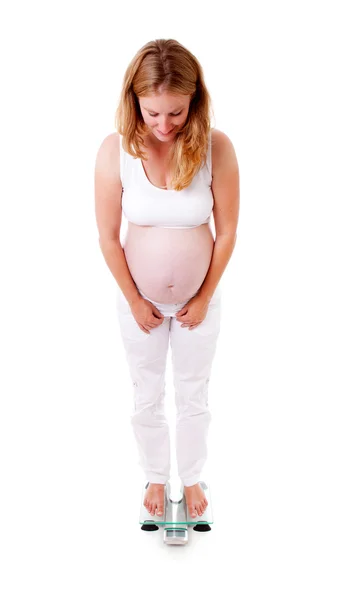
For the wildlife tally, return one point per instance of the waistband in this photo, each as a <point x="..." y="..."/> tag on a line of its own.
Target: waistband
<point x="167" y="310"/>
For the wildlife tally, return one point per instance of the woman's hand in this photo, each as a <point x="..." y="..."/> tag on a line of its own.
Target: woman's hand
<point x="193" y="312"/>
<point x="146" y="314"/>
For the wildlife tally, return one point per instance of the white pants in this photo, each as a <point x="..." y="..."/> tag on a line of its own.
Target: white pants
<point x="192" y="355"/>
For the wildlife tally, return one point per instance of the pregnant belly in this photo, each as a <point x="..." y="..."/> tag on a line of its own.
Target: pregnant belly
<point x="168" y="265"/>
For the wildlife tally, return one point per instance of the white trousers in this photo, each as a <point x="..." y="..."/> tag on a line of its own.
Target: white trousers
<point x="192" y="355"/>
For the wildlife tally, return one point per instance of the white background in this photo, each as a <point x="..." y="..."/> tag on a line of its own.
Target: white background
<point x="70" y="480"/>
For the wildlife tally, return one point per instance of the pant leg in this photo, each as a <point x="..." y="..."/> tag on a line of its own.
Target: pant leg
<point x="146" y="356"/>
<point x="192" y="356"/>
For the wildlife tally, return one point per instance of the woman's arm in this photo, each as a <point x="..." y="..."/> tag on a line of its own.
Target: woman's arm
<point x="108" y="191"/>
<point x="226" y="191"/>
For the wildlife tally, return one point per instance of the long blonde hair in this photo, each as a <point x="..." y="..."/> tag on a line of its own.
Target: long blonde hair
<point x="165" y="65"/>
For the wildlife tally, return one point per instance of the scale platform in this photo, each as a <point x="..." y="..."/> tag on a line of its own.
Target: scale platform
<point x="176" y="518"/>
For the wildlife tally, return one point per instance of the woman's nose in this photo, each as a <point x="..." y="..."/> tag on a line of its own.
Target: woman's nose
<point x="164" y="126"/>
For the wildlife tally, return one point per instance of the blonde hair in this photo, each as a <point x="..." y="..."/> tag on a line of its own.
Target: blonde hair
<point x="167" y="66"/>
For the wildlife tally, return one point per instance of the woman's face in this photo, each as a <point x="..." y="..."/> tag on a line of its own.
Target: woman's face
<point x="164" y="113"/>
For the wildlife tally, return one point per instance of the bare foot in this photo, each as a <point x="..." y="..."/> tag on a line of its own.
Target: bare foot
<point x="154" y="498"/>
<point x="195" y="500"/>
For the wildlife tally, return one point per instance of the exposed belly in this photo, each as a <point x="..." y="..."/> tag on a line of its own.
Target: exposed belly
<point x="168" y="265"/>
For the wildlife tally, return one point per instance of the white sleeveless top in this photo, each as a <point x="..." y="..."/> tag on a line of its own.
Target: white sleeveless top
<point x="145" y="204"/>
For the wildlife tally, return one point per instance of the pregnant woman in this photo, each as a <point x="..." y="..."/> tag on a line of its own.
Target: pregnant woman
<point x="167" y="170"/>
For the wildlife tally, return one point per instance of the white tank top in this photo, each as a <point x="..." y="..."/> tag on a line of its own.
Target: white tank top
<point x="145" y="204"/>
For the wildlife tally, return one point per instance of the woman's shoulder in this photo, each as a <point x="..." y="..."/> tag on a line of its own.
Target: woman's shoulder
<point x="221" y="145"/>
<point x="219" y="138"/>
<point x="108" y="154"/>
<point x="111" y="143"/>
